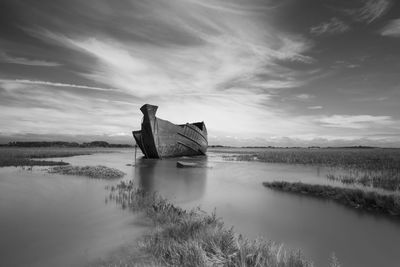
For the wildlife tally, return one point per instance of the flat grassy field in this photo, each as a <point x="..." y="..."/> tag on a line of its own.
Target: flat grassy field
<point x="33" y="156"/>
<point x="370" y="167"/>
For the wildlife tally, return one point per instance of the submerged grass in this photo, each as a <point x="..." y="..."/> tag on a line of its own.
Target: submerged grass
<point x="352" y="197"/>
<point x="99" y="171"/>
<point x="195" y="238"/>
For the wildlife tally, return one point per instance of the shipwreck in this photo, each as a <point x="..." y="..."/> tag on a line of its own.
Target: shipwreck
<point x="160" y="138"/>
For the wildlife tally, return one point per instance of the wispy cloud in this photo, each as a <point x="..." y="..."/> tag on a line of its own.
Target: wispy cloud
<point x="241" y="66"/>
<point x="231" y="51"/>
<point x="355" y="121"/>
<point x="333" y="26"/>
<point x="304" y="97"/>
<point x="235" y="8"/>
<point x="370" y="11"/>
<point x="25" y="61"/>
<point x="201" y="59"/>
<point x="392" y="28"/>
<point x="11" y="84"/>
<point x="315" y="107"/>
<point x="38" y="108"/>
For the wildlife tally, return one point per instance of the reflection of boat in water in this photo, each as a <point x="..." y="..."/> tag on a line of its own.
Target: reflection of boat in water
<point x="178" y="184"/>
<point x="160" y="138"/>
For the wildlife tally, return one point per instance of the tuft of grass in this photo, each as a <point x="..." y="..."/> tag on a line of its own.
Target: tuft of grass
<point x="334" y="261"/>
<point x="195" y="238"/>
<point x="352" y="197"/>
<point x="89" y="171"/>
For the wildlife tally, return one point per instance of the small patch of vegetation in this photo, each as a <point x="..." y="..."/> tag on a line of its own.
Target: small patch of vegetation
<point x="99" y="171"/>
<point x="194" y="238"/>
<point x="352" y="197"/>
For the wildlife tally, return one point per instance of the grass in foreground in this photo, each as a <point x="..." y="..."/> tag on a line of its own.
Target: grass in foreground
<point x="99" y="171"/>
<point x="194" y="238"/>
<point x="356" y="198"/>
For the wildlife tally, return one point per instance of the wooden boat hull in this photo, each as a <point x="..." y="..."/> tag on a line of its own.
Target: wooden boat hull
<point x="160" y="138"/>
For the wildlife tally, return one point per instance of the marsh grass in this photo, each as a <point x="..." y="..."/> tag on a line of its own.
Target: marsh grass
<point x="384" y="179"/>
<point x="352" y="197"/>
<point x="101" y="172"/>
<point x="363" y="159"/>
<point x="372" y="167"/>
<point x="195" y="238"/>
<point x="29" y="156"/>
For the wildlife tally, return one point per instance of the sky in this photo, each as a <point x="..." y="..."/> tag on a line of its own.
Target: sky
<point x="257" y="72"/>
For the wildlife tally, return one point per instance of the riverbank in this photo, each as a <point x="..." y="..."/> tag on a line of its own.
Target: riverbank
<point x="195" y="238"/>
<point x="352" y="197"/>
<point x="32" y="156"/>
<point x="370" y="167"/>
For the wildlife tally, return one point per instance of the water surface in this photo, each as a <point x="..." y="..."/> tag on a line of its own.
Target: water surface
<point x="54" y="220"/>
<point x="319" y="227"/>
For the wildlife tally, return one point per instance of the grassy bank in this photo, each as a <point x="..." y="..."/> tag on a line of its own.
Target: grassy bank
<point x="373" y="167"/>
<point x="101" y="172"/>
<point x="17" y="156"/>
<point x="194" y="238"/>
<point x="364" y="159"/>
<point x="385" y="179"/>
<point x="356" y="198"/>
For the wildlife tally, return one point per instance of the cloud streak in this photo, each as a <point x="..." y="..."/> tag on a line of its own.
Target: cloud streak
<point x="10" y="84"/>
<point x="355" y="122"/>
<point x="25" y="61"/>
<point x="392" y="28"/>
<point x="333" y="26"/>
<point x="315" y="107"/>
<point x="370" y="11"/>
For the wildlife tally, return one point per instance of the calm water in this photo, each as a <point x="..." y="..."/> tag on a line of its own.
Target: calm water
<point x="54" y="220"/>
<point x="49" y="220"/>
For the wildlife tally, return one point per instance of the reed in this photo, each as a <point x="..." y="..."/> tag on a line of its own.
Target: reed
<point x="99" y="171"/>
<point x="195" y="238"/>
<point x="384" y="179"/>
<point x="352" y="197"/>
